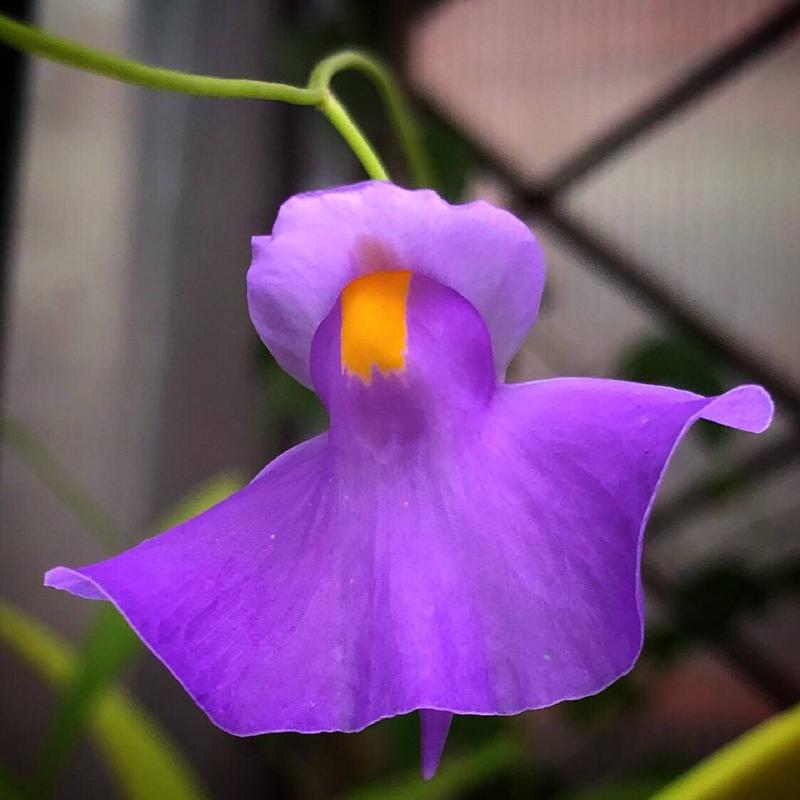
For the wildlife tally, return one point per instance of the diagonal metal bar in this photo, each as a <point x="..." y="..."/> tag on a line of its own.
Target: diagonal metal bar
<point x="624" y="269"/>
<point x="716" y="488"/>
<point x="690" y="88"/>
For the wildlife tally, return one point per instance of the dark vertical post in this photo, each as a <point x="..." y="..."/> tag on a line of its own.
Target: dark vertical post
<point x="12" y="71"/>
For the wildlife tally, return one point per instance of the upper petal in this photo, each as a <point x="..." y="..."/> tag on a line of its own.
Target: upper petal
<point x="322" y="240"/>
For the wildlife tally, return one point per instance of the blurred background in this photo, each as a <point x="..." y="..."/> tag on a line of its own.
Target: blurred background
<point x="654" y="145"/>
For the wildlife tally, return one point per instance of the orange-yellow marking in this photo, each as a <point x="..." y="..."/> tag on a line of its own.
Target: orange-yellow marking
<point x="374" y="323"/>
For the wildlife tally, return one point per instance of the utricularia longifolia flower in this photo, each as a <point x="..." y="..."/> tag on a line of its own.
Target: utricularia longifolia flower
<point x="452" y="544"/>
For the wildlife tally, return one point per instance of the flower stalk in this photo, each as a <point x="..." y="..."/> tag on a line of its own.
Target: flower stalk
<point x="317" y="92"/>
<point x="337" y="115"/>
<point x="394" y="102"/>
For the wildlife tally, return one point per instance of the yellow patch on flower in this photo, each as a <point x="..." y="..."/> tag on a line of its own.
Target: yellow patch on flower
<point x="374" y="323"/>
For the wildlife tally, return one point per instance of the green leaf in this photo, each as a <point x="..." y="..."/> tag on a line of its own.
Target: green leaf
<point x="141" y="758"/>
<point x="292" y="412"/>
<point x="764" y="764"/>
<point x="10" y="787"/>
<point x="107" y="649"/>
<point x="454" y="160"/>
<point x="712" y="600"/>
<point x="633" y="788"/>
<point x="201" y="499"/>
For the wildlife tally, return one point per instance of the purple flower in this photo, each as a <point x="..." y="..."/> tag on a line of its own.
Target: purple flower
<point x="453" y="544"/>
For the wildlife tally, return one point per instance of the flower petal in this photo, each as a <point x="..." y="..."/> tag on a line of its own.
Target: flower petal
<point x="486" y="572"/>
<point x="322" y="240"/>
<point x="576" y="488"/>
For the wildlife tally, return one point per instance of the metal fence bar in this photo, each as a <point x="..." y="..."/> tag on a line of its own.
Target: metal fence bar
<point x="714" y="489"/>
<point x="690" y="88"/>
<point x="627" y="271"/>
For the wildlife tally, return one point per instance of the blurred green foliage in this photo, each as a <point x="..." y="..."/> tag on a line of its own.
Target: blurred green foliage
<point x="10" y="788"/>
<point x="108" y="647"/>
<point x="140" y="757"/>
<point x="291" y="412"/>
<point x="200" y="499"/>
<point x="453" y="158"/>
<point x="712" y="601"/>
<point x="630" y="788"/>
<point x="84" y="678"/>
<point x="457" y="775"/>
<point x="763" y="764"/>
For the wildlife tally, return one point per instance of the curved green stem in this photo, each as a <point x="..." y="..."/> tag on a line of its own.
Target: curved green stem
<point x="351" y="133"/>
<point x="392" y="96"/>
<point x="34" y="40"/>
